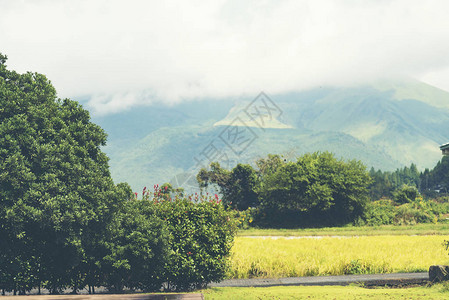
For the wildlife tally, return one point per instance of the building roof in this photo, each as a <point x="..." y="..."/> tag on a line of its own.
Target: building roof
<point x="444" y="146"/>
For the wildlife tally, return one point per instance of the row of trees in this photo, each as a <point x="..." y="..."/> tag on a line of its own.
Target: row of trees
<point x="65" y="224"/>
<point x="317" y="189"/>
<point x="429" y="182"/>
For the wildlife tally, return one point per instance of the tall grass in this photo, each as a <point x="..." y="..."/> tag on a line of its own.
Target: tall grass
<point x="284" y="257"/>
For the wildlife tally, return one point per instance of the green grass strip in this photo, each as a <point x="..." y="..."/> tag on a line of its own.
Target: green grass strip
<point x="440" y="291"/>
<point x="418" y="229"/>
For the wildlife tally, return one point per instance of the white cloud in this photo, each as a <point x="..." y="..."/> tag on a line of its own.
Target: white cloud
<point x="132" y="52"/>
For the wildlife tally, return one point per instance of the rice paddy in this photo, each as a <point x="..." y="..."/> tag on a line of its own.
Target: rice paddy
<point x="291" y="257"/>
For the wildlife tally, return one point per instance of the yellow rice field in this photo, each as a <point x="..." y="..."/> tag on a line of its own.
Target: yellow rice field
<point x="291" y="257"/>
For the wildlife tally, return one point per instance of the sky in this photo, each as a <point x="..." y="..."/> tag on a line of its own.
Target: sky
<point x="120" y="54"/>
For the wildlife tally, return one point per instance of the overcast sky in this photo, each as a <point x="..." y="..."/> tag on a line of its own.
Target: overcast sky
<point x="124" y="53"/>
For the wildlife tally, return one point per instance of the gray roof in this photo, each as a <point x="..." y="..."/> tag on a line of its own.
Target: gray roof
<point x="444" y="146"/>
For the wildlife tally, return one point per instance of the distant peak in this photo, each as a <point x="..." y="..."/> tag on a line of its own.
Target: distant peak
<point x="409" y="88"/>
<point x="238" y="117"/>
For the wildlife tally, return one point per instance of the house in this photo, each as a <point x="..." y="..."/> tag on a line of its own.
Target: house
<point x="445" y="149"/>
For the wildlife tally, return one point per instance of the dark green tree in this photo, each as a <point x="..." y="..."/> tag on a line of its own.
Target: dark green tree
<point x="238" y="186"/>
<point x="385" y="183"/>
<point x="244" y="184"/>
<point x="56" y="192"/>
<point x="405" y="194"/>
<point x="317" y="188"/>
<point x="437" y="179"/>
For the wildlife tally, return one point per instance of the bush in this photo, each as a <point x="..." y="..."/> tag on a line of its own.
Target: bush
<point x="405" y="194"/>
<point x="201" y="234"/>
<point x="138" y="249"/>
<point x="384" y="212"/>
<point x="408" y="215"/>
<point x="381" y="212"/>
<point x="246" y="217"/>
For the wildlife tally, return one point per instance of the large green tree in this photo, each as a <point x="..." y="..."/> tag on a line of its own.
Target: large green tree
<point x="317" y="187"/>
<point x="56" y="192"/>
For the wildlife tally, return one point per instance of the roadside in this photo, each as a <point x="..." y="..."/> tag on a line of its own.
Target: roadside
<point x="396" y="279"/>
<point x="192" y="296"/>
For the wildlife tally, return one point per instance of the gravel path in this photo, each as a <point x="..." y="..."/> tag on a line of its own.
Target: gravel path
<point x="373" y="279"/>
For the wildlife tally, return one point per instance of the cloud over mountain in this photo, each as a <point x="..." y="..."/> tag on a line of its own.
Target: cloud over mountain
<point x="128" y="53"/>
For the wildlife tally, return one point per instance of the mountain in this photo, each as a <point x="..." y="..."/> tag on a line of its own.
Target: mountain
<point x="386" y="125"/>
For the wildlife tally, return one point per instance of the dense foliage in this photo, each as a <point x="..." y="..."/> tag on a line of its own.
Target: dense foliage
<point x="420" y="210"/>
<point x="430" y="183"/>
<point x="138" y="249"/>
<point x="63" y="222"/>
<point x="238" y="186"/>
<point x="57" y="196"/>
<point x="316" y="189"/>
<point x="385" y="183"/>
<point x="320" y="190"/>
<point x="201" y="234"/>
<point x="407" y="196"/>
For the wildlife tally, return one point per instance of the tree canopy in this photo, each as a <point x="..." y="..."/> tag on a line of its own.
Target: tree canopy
<point x="56" y="192"/>
<point x="63" y="222"/>
<point x="316" y="188"/>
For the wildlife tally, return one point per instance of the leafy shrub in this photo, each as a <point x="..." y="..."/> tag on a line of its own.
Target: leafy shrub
<point x="438" y="207"/>
<point x="138" y="249"/>
<point x="201" y="234"/>
<point x="408" y="215"/>
<point x="405" y="194"/>
<point x="381" y="212"/>
<point x="246" y="217"/>
<point x="384" y="212"/>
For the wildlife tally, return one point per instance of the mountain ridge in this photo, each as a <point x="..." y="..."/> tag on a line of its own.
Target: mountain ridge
<point x="383" y="127"/>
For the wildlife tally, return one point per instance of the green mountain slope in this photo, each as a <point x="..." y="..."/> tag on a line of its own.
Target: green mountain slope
<point x="172" y="151"/>
<point x="407" y="130"/>
<point x="385" y="125"/>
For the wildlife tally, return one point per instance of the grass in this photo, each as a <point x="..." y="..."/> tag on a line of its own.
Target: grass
<point x="284" y="257"/>
<point x="439" y="291"/>
<point x="418" y="229"/>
